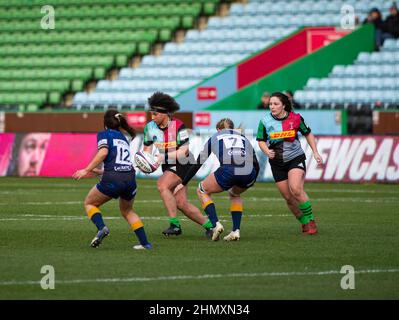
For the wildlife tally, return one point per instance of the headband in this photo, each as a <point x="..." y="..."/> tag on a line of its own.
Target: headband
<point x="158" y="109"/>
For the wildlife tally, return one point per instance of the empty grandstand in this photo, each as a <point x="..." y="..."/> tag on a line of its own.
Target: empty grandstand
<point x="115" y="53"/>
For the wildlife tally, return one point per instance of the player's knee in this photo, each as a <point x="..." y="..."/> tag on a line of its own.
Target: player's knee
<point x="161" y="186"/>
<point x="296" y="191"/>
<point x="87" y="204"/>
<point x="233" y="195"/>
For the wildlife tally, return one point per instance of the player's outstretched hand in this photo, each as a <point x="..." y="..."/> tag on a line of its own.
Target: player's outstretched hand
<point x="80" y="174"/>
<point x="178" y="188"/>
<point x="318" y="159"/>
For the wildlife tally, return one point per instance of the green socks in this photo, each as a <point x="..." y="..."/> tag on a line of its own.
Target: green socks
<point x="307" y="214"/>
<point x="175" y="222"/>
<point x="208" y="225"/>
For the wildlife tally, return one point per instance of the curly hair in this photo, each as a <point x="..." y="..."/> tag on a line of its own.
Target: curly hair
<point x="162" y="102"/>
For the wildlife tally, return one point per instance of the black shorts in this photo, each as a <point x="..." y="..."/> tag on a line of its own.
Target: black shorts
<point x="280" y="170"/>
<point x="179" y="169"/>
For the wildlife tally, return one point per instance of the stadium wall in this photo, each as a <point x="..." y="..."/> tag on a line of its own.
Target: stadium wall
<point x="295" y="75"/>
<point x="386" y="122"/>
<point x="347" y="158"/>
<point x="68" y="122"/>
<point x="256" y="66"/>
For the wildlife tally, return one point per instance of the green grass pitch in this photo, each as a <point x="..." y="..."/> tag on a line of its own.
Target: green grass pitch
<point x="42" y="222"/>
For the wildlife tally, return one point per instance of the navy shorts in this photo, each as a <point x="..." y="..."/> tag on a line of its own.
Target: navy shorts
<point x="115" y="189"/>
<point x="230" y="176"/>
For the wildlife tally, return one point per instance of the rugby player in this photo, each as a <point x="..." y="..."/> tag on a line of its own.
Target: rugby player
<point x="278" y="139"/>
<point x="169" y="135"/>
<point x="118" y="179"/>
<point x="238" y="171"/>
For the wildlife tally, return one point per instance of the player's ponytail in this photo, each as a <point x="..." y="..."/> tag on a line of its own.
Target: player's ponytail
<point x="115" y="120"/>
<point x="125" y="126"/>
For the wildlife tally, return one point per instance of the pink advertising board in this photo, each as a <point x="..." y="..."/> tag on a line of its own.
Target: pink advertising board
<point x="45" y="154"/>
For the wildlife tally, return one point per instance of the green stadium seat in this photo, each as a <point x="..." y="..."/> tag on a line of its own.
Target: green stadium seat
<point x="54" y="98"/>
<point x="77" y="85"/>
<point x="99" y="73"/>
<point x="165" y="35"/>
<point x="121" y="60"/>
<point x="144" y="48"/>
<point x="91" y="36"/>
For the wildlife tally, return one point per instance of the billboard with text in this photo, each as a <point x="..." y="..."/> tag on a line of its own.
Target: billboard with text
<point x="346" y="158"/>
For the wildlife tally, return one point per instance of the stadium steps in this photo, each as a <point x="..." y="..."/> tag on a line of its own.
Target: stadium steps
<point x="225" y="41"/>
<point x="372" y="81"/>
<point x="91" y="37"/>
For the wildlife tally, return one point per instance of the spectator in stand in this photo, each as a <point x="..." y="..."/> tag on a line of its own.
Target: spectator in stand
<point x="265" y="100"/>
<point x="390" y="27"/>
<point x="374" y="16"/>
<point x="294" y="104"/>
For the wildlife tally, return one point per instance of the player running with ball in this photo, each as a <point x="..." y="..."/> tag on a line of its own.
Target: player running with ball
<point x="170" y="137"/>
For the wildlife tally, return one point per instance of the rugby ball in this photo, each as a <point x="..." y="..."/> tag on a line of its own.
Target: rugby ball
<point x="145" y="162"/>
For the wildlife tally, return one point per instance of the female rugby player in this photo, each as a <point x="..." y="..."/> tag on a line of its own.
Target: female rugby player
<point x="238" y="171"/>
<point x="278" y="139"/>
<point x="118" y="179"/>
<point x="170" y="137"/>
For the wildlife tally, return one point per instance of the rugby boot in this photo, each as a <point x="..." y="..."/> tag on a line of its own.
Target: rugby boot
<point x="233" y="236"/>
<point x="208" y="233"/>
<point x="173" y="230"/>
<point x="310" y="227"/>
<point x="104" y="232"/>
<point x="217" y="231"/>
<point x="147" y="246"/>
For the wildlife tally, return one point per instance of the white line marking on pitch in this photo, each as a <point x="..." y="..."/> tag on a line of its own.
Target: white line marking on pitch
<point x="198" y="277"/>
<point x="32" y="217"/>
<point x="279" y="199"/>
<point x="259" y="186"/>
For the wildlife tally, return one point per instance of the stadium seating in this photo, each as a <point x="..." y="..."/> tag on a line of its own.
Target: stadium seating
<point x="90" y="38"/>
<point x="372" y="80"/>
<point x="226" y="40"/>
<point x="93" y="36"/>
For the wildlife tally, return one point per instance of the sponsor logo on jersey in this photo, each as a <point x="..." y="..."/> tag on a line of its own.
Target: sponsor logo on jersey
<point x="123" y="168"/>
<point x="165" y="145"/>
<point x="119" y="142"/>
<point x="282" y="135"/>
<point x="233" y="152"/>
